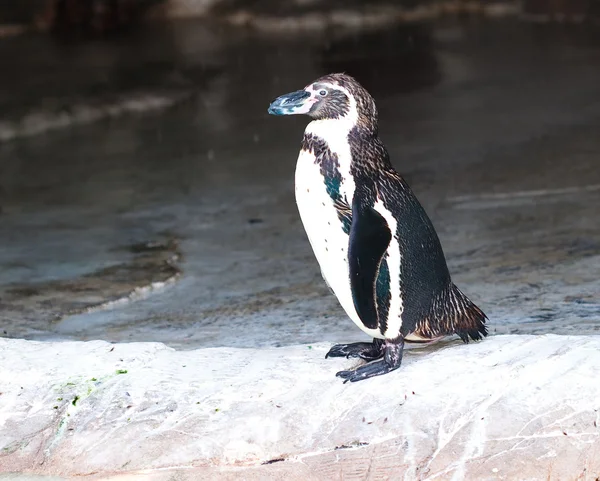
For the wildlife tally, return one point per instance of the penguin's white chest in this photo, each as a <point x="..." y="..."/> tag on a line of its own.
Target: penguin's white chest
<point x="325" y="229"/>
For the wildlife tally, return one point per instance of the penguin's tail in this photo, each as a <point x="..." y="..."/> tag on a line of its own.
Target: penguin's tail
<point x="452" y="312"/>
<point x="464" y="317"/>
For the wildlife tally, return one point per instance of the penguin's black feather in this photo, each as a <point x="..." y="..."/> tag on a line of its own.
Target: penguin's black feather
<point x="433" y="305"/>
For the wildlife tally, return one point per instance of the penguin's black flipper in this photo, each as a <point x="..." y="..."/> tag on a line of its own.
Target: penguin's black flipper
<point x="370" y="237"/>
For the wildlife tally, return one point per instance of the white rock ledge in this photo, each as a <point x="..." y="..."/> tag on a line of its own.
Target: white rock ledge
<point x="510" y="407"/>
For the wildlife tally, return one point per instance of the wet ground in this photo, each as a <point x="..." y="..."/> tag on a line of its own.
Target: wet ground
<point x="180" y="226"/>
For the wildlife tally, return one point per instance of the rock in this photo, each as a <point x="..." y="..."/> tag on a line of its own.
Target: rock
<point x="507" y="407"/>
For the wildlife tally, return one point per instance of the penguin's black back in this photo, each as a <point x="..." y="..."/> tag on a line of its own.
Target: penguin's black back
<point x="432" y="305"/>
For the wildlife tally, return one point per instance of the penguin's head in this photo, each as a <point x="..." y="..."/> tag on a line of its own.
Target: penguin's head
<point x="335" y="96"/>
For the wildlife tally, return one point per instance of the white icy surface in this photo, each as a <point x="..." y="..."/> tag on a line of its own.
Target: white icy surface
<point x="525" y="406"/>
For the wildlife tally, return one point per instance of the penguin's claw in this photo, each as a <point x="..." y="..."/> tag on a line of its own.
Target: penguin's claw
<point x="369" y="351"/>
<point x="368" y="370"/>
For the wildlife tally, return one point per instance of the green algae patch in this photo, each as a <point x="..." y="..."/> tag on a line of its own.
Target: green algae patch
<point x="14" y="446"/>
<point x="78" y="389"/>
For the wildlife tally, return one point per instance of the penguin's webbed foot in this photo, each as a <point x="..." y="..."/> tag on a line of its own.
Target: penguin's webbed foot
<point x="391" y="361"/>
<point x="376" y="368"/>
<point x="369" y="351"/>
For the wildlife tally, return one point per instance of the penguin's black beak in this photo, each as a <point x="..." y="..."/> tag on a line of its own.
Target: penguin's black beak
<point x="290" y="104"/>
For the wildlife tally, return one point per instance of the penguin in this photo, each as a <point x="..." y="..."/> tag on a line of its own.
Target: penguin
<point x="378" y="250"/>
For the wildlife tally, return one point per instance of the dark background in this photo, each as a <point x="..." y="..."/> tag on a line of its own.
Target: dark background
<point x="145" y="194"/>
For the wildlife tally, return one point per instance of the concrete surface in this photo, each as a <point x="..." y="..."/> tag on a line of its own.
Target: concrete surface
<point x="513" y="407"/>
<point x="180" y="227"/>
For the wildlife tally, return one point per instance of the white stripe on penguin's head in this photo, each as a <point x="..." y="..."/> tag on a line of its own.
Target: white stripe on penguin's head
<point x="332" y="101"/>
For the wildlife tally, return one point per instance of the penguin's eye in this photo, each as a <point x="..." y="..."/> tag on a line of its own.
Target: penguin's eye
<point x="323" y="93"/>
